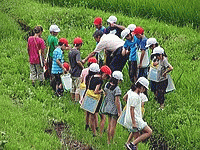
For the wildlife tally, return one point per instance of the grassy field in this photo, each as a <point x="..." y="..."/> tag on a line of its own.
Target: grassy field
<point x="180" y="13"/>
<point x="28" y="111"/>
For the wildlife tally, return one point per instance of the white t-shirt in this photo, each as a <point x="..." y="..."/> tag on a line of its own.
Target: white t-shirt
<point x="134" y="100"/>
<point x="109" y="42"/>
<point x="143" y="97"/>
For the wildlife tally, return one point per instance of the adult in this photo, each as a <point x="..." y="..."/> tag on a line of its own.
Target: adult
<point x="116" y="56"/>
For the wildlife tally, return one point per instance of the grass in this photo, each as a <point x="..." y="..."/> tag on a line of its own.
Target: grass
<point x="177" y="124"/>
<point x="180" y="13"/>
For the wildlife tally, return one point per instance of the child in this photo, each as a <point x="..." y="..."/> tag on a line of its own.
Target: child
<point x="112" y="104"/>
<point x="139" y="33"/>
<point x="99" y="27"/>
<point x="93" y="69"/>
<point x="151" y="44"/>
<point x="57" y="64"/>
<point x="98" y="24"/>
<point x="163" y="68"/>
<point x="52" y="42"/>
<point x="76" y="68"/>
<point x="94" y="84"/>
<point x="35" y="45"/>
<point x="133" y="117"/>
<point x="130" y="45"/>
<point x="114" y="28"/>
<point x="84" y="73"/>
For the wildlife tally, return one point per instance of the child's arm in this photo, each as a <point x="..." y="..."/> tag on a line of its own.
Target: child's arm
<point x="117" y="103"/>
<point x="141" y="58"/>
<point x="80" y="64"/>
<point x="98" y="90"/>
<point x="170" y="68"/>
<point x="125" y="98"/>
<point x="59" y="64"/>
<point x="133" y="116"/>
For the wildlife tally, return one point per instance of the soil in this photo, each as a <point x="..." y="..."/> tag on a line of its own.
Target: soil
<point x="63" y="133"/>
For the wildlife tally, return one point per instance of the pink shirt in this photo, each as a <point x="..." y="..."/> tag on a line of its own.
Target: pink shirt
<point x="84" y="73"/>
<point x="33" y="49"/>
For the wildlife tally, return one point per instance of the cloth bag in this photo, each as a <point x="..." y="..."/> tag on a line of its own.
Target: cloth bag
<point x="146" y="58"/>
<point x="66" y="81"/>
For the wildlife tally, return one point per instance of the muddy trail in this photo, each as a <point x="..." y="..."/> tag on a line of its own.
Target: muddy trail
<point x="68" y="142"/>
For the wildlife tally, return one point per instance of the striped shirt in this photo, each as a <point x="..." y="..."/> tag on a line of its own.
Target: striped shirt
<point x="57" y="55"/>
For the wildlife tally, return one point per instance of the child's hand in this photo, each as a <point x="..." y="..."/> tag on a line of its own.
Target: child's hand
<point x="119" y="113"/>
<point x="134" y="125"/>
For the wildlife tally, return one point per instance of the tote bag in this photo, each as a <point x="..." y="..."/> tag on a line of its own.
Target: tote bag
<point x="146" y="58"/>
<point x="66" y="81"/>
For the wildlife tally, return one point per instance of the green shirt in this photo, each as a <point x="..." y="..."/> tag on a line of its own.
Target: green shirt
<point x="52" y="43"/>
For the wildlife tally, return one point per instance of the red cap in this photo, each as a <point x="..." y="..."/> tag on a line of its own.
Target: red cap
<point x="106" y="69"/>
<point x="78" y="40"/>
<point x="66" y="66"/>
<point x="64" y="41"/>
<point x="97" y="21"/>
<point x="138" y="30"/>
<point x="92" y="60"/>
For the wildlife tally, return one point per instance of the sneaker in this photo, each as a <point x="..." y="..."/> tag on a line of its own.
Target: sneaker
<point x="161" y="107"/>
<point x="130" y="146"/>
<point x="86" y="127"/>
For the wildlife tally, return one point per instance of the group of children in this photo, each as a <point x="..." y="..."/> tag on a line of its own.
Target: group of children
<point x="112" y="53"/>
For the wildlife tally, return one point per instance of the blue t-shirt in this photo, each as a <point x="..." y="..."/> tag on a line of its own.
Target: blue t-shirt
<point x="142" y="43"/>
<point x="57" y="54"/>
<point x="132" y="46"/>
<point x="103" y="29"/>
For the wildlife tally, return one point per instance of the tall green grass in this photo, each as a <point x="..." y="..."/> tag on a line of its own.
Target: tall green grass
<point x="181" y="12"/>
<point x="177" y="124"/>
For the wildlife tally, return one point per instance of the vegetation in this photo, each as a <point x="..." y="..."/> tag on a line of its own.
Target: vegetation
<point x="24" y="124"/>
<point x="181" y="12"/>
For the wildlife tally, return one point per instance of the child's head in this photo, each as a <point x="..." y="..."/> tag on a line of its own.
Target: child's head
<point x="63" y="43"/>
<point x="126" y="33"/>
<point x="151" y="43"/>
<point x="111" y="20"/>
<point x="117" y="75"/>
<point x="131" y="27"/>
<point x="94" y="69"/>
<point x="139" y="32"/>
<point x="158" y="52"/>
<point x="141" y="84"/>
<point x="66" y="66"/>
<point x="91" y="60"/>
<point x="105" y="72"/>
<point x="38" y="30"/>
<point x="78" y="42"/>
<point x="54" y="30"/>
<point x="98" y="23"/>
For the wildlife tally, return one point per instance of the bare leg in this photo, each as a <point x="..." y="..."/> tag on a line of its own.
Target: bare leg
<point x="108" y="130"/>
<point x="102" y="123"/>
<point x="92" y="122"/>
<point x="87" y="119"/>
<point x="73" y="96"/>
<point x="147" y="133"/>
<point x="113" y="127"/>
<point x="77" y="97"/>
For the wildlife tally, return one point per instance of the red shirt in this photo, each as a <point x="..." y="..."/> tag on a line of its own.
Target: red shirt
<point x="34" y="45"/>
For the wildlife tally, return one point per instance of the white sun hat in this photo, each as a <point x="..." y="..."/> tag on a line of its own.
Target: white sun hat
<point x="131" y="27"/>
<point x="117" y="75"/>
<point x="54" y="28"/>
<point x="125" y="32"/>
<point x="144" y="82"/>
<point x="112" y="19"/>
<point x="151" y="41"/>
<point x="158" y="50"/>
<point x="94" y="67"/>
